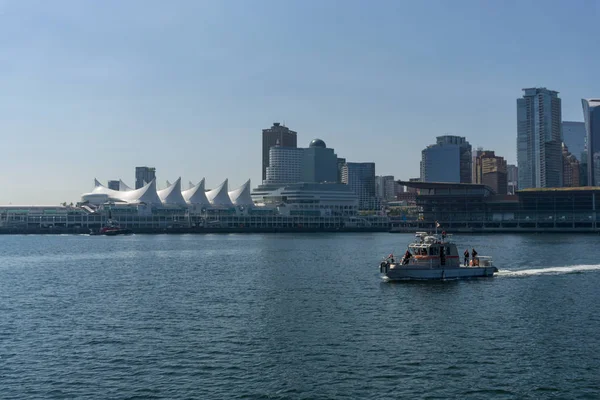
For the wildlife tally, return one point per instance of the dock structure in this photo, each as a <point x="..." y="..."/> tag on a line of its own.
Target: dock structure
<point x="460" y="207"/>
<point x="82" y="219"/>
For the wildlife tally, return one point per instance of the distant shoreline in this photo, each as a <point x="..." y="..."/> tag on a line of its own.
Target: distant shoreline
<point x="200" y="231"/>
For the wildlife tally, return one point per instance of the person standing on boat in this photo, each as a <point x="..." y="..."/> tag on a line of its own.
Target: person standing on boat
<point x="473" y="256"/>
<point x="466" y="254"/>
<point x="406" y="257"/>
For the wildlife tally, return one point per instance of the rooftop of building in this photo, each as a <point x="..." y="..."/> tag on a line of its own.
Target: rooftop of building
<point x="432" y="185"/>
<point x="317" y="143"/>
<point x="593" y="102"/>
<point x="533" y="90"/>
<point x="470" y="188"/>
<point x="561" y="189"/>
<point x="328" y="186"/>
<point x="279" y="128"/>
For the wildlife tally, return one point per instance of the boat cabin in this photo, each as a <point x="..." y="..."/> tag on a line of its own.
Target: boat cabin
<point x="433" y="251"/>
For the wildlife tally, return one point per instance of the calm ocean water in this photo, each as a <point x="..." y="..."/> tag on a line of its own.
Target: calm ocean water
<point x="293" y="317"/>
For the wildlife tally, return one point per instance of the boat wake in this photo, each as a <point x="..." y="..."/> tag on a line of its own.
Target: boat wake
<point x="572" y="269"/>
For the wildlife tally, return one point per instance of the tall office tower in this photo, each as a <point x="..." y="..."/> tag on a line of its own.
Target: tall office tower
<point x="361" y="178"/>
<point x="539" y="142"/>
<point x="276" y="135"/>
<point x="491" y="171"/>
<point x="144" y="175"/>
<point x="385" y="187"/>
<point x="591" y="116"/>
<point x="474" y="155"/>
<point x="512" y="176"/>
<point x="449" y="160"/>
<point x="315" y="164"/>
<point x="573" y="134"/>
<point x="570" y="168"/>
<point x="320" y="163"/>
<point x="114" y="185"/>
<point x="583" y="172"/>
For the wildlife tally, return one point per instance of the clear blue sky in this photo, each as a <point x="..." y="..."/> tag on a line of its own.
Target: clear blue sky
<point x="93" y="88"/>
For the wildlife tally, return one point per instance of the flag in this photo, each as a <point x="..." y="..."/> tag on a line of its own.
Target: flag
<point x="391" y="255"/>
<point x="437" y="224"/>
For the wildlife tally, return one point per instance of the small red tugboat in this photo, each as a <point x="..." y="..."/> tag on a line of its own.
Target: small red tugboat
<point x="111" y="229"/>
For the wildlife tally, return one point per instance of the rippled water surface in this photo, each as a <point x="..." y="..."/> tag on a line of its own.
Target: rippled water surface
<point x="293" y="317"/>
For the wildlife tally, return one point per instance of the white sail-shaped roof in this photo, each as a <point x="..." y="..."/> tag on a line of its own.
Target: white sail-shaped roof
<point x="172" y="194"/>
<point x="219" y="196"/>
<point x="241" y="196"/>
<point x="196" y="195"/>
<point x="123" y="187"/>
<point x="146" y="194"/>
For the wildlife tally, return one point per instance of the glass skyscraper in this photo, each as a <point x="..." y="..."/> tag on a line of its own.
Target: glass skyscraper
<point x="361" y="178"/>
<point x="591" y="116"/>
<point x="539" y="139"/>
<point x="449" y="160"/>
<point x="573" y="134"/>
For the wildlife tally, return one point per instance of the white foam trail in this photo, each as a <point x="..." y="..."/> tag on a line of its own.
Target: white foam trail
<point x="551" y="270"/>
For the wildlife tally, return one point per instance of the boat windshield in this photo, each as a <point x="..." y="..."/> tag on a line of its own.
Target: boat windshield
<point x="425" y="250"/>
<point x="418" y="250"/>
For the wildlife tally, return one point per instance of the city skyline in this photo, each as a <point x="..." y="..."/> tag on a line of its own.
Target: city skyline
<point x="91" y="91"/>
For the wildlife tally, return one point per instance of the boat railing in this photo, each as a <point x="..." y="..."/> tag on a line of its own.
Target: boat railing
<point x="481" y="261"/>
<point x="428" y="261"/>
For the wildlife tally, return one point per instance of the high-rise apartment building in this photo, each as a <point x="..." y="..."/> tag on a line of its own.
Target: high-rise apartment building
<point x="340" y="164"/>
<point x="591" y="116"/>
<point x="491" y="171"/>
<point x="285" y="165"/>
<point x="570" y="168"/>
<point x="361" y="178"/>
<point x="385" y="187"/>
<point x="449" y="160"/>
<point x="314" y="164"/>
<point x="276" y="135"/>
<point x="539" y="141"/>
<point x="144" y="175"/>
<point x="573" y="134"/>
<point x="512" y="176"/>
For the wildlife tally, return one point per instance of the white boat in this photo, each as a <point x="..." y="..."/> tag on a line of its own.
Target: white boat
<point x="434" y="257"/>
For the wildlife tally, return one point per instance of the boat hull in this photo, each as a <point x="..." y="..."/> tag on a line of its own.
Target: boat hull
<point x="400" y="273"/>
<point x="118" y="232"/>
